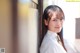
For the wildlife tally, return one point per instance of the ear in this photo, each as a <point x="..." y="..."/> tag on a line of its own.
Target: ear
<point x="46" y="22"/>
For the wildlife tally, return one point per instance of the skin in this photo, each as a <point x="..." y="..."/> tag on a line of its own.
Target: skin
<point x="56" y="21"/>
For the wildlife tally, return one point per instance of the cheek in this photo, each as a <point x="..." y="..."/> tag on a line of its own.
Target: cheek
<point x="62" y="23"/>
<point x="51" y="24"/>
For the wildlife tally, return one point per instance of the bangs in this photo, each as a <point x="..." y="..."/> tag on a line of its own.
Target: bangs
<point x="59" y="14"/>
<point x="50" y="14"/>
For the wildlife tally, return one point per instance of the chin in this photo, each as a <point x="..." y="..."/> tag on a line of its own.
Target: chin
<point x="58" y="31"/>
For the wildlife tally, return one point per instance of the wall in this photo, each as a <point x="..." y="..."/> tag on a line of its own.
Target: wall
<point x="5" y="26"/>
<point x="72" y="11"/>
<point x="27" y="27"/>
<point x="77" y="28"/>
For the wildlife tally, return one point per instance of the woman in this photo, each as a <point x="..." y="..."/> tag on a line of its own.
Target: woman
<point x="53" y="18"/>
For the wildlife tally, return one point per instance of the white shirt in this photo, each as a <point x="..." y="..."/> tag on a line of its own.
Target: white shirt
<point x="70" y="47"/>
<point x="50" y="44"/>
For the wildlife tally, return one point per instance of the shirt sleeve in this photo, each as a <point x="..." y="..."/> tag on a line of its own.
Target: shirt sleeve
<point x="70" y="47"/>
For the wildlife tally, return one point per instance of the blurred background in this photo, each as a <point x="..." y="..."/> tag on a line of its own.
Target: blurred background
<point x="21" y="24"/>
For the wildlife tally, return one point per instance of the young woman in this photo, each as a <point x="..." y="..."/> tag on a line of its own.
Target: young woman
<point x="53" y="18"/>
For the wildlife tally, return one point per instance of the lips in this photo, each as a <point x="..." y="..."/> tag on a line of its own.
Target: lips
<point x="57" y="27"/>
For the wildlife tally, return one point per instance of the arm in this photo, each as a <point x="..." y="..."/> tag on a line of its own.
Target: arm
<point x="70" y="47"/>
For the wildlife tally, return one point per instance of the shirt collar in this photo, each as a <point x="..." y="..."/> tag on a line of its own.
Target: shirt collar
<point x="51" y="34"/>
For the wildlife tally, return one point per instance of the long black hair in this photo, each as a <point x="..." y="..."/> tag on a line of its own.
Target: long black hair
<point x="46" y="16"/>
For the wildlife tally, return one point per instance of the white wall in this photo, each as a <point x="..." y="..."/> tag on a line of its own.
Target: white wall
<point x="72" y="11"/>
<point x="27" y="28"/>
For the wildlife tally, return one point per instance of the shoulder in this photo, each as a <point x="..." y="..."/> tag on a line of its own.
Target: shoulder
<point x="47" y="45"/>
<point x="48" y="41"/>
<point x="50" y="46"/>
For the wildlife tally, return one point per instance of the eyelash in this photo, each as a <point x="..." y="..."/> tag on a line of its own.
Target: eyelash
<point x="57" y="19"/>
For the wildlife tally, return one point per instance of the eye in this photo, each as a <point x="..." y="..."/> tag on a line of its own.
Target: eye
<point x="61" y="19"/>
<point x="54" y="19"/>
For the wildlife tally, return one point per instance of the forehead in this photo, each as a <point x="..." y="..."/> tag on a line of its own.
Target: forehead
<point x="56" y="14"/>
